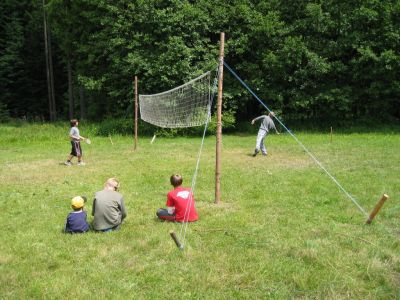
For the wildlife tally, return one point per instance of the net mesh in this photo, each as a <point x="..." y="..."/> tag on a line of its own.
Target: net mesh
<point x="183" y="106"/>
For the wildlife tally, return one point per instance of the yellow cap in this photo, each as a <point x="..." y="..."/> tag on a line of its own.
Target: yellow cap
<point x="77" y="202"/>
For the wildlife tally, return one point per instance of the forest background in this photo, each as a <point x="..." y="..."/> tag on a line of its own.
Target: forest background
<point x="308" y="60"/>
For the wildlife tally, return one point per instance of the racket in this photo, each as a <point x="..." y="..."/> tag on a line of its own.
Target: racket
<point x="88" y="141"/>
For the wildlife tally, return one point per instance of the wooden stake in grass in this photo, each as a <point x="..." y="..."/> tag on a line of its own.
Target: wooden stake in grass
<point x="377" y="208"/>
<point x="176" y="240"/>
<point x="331" y="134"/>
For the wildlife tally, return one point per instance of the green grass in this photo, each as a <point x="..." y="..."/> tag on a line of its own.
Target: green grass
<point x="282" y="230"/>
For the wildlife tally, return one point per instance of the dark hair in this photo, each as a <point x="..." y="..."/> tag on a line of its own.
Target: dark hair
<point x="176" y="180"/>
<point x="73" y="122"/>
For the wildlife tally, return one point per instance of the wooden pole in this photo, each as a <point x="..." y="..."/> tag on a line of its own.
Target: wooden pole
<point x="48" y="71"/>
<point x="136" y="113"/>
<point x="219" y="121"/>
<point x="70" y="89"/>
<point x="377" y="208"/>
<point x="53" y="96"/>
<point x="176" y="240"/>
<point x="331" y="134"/>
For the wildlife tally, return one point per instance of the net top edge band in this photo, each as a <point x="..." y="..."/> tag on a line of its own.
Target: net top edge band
<point x="177" y="88"/>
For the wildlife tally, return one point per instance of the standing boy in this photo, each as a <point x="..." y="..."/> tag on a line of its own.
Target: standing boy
<point x="76" y="220"/>
<point x="76" y="149"/>
<point x="267" y="124"/>
<point x="180" y="203"/>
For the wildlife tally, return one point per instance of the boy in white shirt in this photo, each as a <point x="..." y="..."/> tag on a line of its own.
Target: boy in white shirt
<point x="76" y="149"/>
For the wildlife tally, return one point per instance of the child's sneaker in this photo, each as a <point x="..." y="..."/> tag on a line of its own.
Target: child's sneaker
<point x="81" y="163"/>
<point x="68" y="163"/>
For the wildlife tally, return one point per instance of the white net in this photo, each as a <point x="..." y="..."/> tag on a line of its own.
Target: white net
<point x="183" y="106"/>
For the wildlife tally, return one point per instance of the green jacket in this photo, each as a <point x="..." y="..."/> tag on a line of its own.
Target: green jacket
<point x="108" y="209"/>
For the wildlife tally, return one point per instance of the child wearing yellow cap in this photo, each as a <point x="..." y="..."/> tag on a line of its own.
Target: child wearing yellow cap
<point x="76" y="220"/>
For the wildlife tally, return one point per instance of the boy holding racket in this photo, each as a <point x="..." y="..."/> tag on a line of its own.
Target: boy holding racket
<point x="76" y="149"/>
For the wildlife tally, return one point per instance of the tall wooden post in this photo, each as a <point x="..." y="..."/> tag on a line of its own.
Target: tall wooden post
<point x="219" y="121"/>
<point x="70" y="89"/>
<point x="49" y="67"/>
<point x="136" y="113"/>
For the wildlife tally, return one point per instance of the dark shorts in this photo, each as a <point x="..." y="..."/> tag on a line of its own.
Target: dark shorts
<point x="163" y="214"/>
<point x="76" y="148"/>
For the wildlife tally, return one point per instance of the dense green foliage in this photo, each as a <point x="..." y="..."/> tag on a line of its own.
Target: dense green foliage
<point x="307" y="59"/>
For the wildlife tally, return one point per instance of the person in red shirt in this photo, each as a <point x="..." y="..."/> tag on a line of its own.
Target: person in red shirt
<point x="180" y="203"/>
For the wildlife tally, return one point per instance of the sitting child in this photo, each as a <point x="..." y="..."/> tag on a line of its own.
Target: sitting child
<point x="76" y="220"/>
<point x="180" y="203"/>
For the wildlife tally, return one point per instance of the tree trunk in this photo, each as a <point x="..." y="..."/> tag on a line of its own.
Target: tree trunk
<point x="53" y="96"/>
<point x="70" y="90"/>
<point x="82" y="102"/>
<point x="49" y="68"/>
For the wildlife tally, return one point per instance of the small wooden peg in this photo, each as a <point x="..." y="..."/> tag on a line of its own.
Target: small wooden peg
<point x="377" y="208"/>
<point x="176" y="240"/>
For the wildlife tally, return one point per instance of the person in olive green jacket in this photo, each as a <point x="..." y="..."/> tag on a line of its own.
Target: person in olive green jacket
<point x="108" y="207"/>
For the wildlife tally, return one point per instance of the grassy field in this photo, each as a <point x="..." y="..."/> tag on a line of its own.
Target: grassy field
<point x="282" y="230"/>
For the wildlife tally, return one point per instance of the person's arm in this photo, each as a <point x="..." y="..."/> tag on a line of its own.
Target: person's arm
<point x="276" y="130"/>
<point x="76" y="136"/>
<point x="66" y="224"/>
<point x="256" y="119"/>
<point x="170" y="204"/>
<point x="80" y="138"/>
<point x="94" y="206"/>
<point x="73" y="137"/>
<point x="123" y="210"/>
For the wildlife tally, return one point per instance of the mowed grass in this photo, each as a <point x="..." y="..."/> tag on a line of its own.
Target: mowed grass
<point x="282" y="230"/>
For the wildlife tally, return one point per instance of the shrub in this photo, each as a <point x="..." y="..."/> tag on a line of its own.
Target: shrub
<point x="4" y="113"/>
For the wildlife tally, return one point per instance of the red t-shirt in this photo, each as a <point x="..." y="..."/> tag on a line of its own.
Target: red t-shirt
<point x="180" y="198"/>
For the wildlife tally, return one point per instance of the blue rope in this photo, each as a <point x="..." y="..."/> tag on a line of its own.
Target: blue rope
<point x="297" y="140"/>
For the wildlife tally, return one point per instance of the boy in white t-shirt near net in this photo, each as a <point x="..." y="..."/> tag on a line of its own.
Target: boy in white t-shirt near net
<point x="76" y="149"/>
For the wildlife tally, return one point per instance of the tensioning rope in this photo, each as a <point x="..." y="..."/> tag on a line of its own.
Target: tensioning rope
<point x="298" y="141"/>
<point x="185" y="222"/>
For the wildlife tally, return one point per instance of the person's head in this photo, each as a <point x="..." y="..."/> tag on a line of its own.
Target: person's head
<point x="77" y="203"/>
<point x="74" y="122"/>
<point x="111" y="184"/>
<point x="176" y="180"/>
<point x="271" y="114"/>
